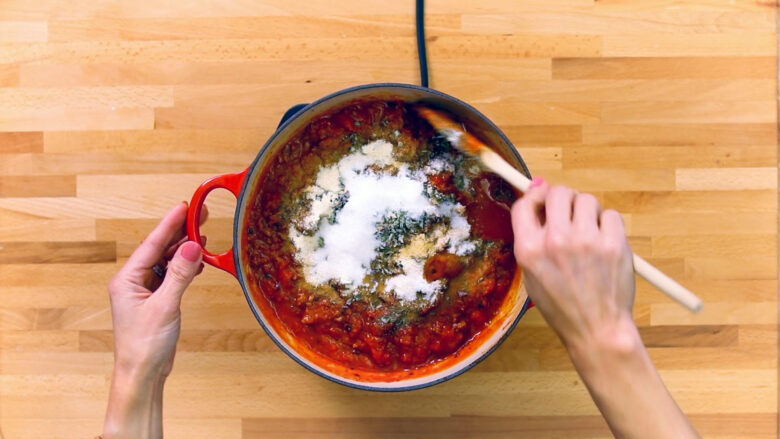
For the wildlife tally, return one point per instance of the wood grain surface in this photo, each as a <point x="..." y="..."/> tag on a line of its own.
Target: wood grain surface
<point x="111" y="111"/>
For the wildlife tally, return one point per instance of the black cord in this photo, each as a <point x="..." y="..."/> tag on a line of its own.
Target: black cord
<point x="420" y="20"/>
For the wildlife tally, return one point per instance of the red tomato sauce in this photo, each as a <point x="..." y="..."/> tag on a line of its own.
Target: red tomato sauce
<point x="355" y="333"/>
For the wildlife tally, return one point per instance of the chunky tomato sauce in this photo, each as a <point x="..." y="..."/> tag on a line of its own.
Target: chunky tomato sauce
<point x="370" y="332"/>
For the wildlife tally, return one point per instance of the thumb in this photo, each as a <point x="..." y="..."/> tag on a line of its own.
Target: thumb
<point x="181" y="271"/>
<point x="528" y="221"/>
<point x="527" y="211"/>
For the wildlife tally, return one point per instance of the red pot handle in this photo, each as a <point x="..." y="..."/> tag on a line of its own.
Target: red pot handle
<point x="231" y="182"/>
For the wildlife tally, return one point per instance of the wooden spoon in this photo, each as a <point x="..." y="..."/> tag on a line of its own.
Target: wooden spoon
<point x="469" y="144"/>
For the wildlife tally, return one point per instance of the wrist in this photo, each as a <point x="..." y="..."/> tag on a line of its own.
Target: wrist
<point x="133" y="395"/>
<point x="136" y="379"/>
<point x="138" y="369"/>
<point x="135" y="391"/>
<point x="606" y="347"/>
<point x="616" y="368"/>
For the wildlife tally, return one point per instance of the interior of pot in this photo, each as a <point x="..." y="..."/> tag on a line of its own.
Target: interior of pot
<point x="471" y="353"/>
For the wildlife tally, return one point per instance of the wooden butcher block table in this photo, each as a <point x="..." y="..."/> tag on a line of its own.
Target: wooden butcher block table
<point x="112" y="111"/>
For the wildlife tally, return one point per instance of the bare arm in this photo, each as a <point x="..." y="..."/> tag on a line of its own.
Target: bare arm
<point x="147" y="319"/>
<point x="578" y="271"/>
<point x="134" y="406"/>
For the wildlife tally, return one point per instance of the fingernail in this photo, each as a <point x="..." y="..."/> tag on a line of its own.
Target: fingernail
<point x="537" y="181"/>
<point x="190" y="251"/>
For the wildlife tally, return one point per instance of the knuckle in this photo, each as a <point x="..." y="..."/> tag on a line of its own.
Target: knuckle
<point x="555" y="241"/>
<point x="162" y="306"/>
<point x="527" y="251"/>
<point x="613" y="248"/>
<point x="584" y="242"/>
<point x="169" y="307"/>
<point x="612" y="215"/>
<point x="178" y="273"/>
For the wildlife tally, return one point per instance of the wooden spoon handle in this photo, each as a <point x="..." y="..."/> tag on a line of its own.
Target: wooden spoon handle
<point x="497" y="164"/>
<point x="658" y="278"/>
<point x="666" y="284"/>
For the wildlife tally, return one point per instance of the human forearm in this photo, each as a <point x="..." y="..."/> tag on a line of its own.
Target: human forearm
<point x="134" y="406"/>
<point x="578" y="271"/>
<point x="146" y="315"/>
<point x="626" y="387"/>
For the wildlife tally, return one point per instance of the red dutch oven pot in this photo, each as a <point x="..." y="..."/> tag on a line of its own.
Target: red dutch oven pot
<point x="244" y="184"/>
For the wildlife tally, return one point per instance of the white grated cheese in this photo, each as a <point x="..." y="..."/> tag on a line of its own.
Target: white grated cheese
<point x="328" y="179"/>
<point x="322" y="203"/>
<point x="410" y="285"/>
<point x="344" y="249"/>
<point x="439" y="164"/>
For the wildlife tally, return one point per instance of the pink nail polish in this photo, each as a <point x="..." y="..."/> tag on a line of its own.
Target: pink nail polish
<point x="537" y="181"/>
<point x="190" y="251"/>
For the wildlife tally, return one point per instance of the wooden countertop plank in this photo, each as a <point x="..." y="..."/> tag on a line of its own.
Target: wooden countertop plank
<point x="147" y="142"/>
<point x="665" y="108"/>
<point x="78" y="119"/>
<point x="72" y="252"/>
<point x="268" y="72"/>
<point x="394" y="48"/>
<point x="21" y="142"/>
<point x="51" y="9"/>
<point x="731" y="267"/>
<point x="597" y="21"/>
<point x="48" y="230"/>
<point x="715" y="44"/>
<point x="679" y="134"/>
<point x="124" y="162"/>
<point x="23" y="31"/>
<point x="666" y="67"/>
<point x="678" y="224"/>
<point x="699" y="156"/>
<point x="198" y="28"/>
<point x="688" y="112"/>
<point x="694" y="201"/>
<point x="612" y="91"/>
<point x="37" y="186"/>
<point x="455" y="427"/>
<point x="29" y="98"/>
<point x="698" y="179"/>
<point x="66" y="428"/>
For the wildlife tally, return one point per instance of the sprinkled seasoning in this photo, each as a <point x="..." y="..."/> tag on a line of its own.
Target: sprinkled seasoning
<point x="387" y="208"/>
<point x="376" y="242"/>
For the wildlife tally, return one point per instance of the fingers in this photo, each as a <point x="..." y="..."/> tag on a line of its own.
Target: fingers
<point x="164" y="239"/>
<point x="586" y="215"/>
<point x="558" y="208"/>
<point x="182" y="234"/>
<point x="185" y="265"/>
<point x="563" y="218"/>
<point x="154" y="246"/>
<point x="527" y="221"/>
<point x="172" y="249"/>
<point x="612" y="225"/>
<point x="527" y="210"/>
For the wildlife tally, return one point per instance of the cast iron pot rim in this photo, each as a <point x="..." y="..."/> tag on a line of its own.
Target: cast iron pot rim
<point x="238" y="227"/>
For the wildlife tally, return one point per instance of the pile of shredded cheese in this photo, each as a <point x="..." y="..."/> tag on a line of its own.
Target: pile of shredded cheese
<point x="335" y="236"/>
